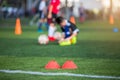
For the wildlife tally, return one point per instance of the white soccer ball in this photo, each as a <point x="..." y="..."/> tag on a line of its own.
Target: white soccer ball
<point x="43" y="39"/>
<point x="57" y="35"/>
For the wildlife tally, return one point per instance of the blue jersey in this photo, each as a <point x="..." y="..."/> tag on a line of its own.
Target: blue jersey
<point x="69" y="29"/>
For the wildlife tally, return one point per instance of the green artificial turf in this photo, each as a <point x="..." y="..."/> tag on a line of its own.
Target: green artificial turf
<point x="97" y="52"/>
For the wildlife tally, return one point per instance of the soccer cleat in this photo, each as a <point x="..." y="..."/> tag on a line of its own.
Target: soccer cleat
<point x="69" y="42"/>
<point x="65" y="43"/>
<point x="40" y="30"/>
<point x="74" y="40"/>
<point x="51" y="39"/>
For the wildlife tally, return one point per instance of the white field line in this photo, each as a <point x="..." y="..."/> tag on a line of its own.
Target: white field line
<point x="57" y="74"/>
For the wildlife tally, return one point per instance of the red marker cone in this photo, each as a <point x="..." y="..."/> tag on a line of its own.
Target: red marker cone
<point x="52" y="65"/>
<point x="69" y="65"/>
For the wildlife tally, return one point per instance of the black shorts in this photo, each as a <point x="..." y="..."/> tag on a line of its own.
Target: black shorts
<point x="41" y="15"/>
<point x="52" y="20"/>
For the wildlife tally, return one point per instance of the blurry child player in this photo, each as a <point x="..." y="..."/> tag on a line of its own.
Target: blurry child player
<point x="69" y="30"/>
<point x="42" y="14"/>
<point x="81" y="13"/>
<point x="53" y="10"/>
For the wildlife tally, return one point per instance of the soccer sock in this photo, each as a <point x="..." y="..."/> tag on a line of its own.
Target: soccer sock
<point x="47" y="25"/>
<point x="51" y="31"/>
<point x="39" y="26"/>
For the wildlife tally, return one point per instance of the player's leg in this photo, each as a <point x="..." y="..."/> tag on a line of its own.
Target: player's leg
<point x="40" y="25"/>
<point x="51" y="31"/>
<point x="40" y="22"/>
<point x="45" y="23"/>
<point x="52" y="27"/>
<point x="74" y="40"/>
<point x="34" y="19"/>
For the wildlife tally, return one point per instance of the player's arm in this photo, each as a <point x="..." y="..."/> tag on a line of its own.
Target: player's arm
<point x="63" y="35"/>
<point x="73" y="35"/>
<point x="62" y="39"/>
<point x="63" y="32"/>
<point x="50" y="11"/>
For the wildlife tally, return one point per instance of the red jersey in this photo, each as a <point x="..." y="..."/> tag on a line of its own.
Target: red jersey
<point x="56" y="6"/>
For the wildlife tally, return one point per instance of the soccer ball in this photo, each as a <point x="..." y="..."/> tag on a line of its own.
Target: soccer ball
<point x="57" y="35"/>
<point x="43" y="39"/>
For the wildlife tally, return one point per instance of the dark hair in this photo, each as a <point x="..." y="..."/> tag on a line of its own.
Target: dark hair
<point x="59" y="20"/>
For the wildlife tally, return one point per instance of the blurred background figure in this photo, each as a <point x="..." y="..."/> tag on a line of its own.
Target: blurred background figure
<point x="21" y="11"/>
<point x="71" y="9"/>
<point x="53" y="10"/>
<point x="42" y="15"/>
<point x="81" y="13"/>
<point x="4" y="11"/>
<point x="92" y="10"/>
<point x="34" y="12"/>
<point x="10" y="11"/>
<point x="15" y="10"/>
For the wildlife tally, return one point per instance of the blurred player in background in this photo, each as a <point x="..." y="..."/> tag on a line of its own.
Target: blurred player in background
<point x="81" y="13"/>
<point x="42" y="14"/>
<point x="53" y="10"/>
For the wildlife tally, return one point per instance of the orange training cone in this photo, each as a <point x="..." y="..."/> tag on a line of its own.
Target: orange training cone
<point x="72" y="19"/>
<point x="111" y="19"/>
<point x="18" y="30"/>
<point x="52" y="65"/>
<point x="69" y="65"/>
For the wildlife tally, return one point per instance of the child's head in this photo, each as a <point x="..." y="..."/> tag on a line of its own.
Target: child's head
<point x="61" y="21"/>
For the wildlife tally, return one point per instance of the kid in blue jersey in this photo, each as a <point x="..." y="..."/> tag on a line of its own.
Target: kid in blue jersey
<point x="69" y="30"/>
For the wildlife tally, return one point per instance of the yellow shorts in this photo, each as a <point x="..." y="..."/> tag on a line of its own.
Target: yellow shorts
<point x="69" y="42"/>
